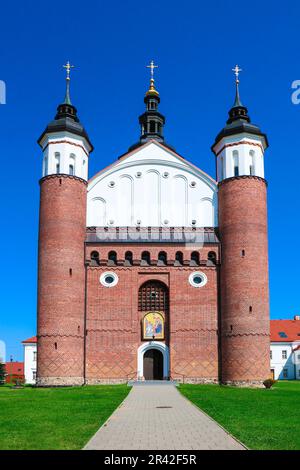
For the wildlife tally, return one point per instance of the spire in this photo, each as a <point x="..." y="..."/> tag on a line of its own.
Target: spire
<point x="237" y="101"/>
<point x="238" y="110"/>
<point x="68" y="67"/>
<point x="239" y="120"/>
<point x="66" y="109"/>
<point x="66" y="119"/>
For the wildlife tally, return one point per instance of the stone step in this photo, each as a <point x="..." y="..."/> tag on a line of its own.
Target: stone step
<point x="146" y="383"/>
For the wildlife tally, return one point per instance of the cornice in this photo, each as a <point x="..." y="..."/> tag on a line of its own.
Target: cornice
<point x="62" y="175"/>
<point x="227" y="180"/>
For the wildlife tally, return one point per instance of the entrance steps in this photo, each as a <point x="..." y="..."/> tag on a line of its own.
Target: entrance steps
<point x="146" y="383"/>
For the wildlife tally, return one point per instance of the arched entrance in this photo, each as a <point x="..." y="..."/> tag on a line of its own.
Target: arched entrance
<point x="161" y="348"/>
<point x="153" y="364"/>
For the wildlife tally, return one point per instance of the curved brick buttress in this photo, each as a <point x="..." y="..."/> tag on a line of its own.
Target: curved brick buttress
<point x="61" y="280"/>
<point x="245" y="346"/>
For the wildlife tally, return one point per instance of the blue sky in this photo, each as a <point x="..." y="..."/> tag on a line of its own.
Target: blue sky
<point x="196" y="44"/>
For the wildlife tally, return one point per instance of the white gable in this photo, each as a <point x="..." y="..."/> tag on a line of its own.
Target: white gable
<point x="152" y="186"/>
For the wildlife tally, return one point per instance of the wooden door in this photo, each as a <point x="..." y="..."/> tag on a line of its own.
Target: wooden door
<point x="153" y="365"/>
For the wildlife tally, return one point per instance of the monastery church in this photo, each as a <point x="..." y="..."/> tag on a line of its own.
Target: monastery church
<point x="151" y="269"/>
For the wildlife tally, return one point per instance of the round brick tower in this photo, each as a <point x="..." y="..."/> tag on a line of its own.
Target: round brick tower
<point x="61" y="271"/>
<point x="244" y="290"/>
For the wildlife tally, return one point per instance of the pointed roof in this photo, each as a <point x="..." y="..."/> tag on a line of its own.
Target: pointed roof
<point x="66" y="119"/>
<point x="239" y="121"/>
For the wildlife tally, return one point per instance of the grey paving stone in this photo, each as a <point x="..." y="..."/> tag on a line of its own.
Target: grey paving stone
<point x="139" y="424"/>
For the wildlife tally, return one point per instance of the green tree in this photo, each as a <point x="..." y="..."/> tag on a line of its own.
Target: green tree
<point x="2" y="373"/>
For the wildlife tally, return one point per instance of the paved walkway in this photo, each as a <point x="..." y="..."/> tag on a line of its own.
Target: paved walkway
<point x="158" y="417"/>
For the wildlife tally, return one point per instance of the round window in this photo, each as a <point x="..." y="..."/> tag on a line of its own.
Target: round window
<point x="109" y="279"/>
<point x="197" y="279"/>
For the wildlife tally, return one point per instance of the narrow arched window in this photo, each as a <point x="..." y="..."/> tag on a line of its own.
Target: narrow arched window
<point x="179" y="258"/>
<point x="46" y="166"/>
<point x="145" y="259"/>
<point x="152" y="126"/>
<point x="112" y="258"/>
<point x="235" y="156"/>
<point x="195" y="259"/>
<point x="252" y="163"/>
<point x="95" y="258"/>
<point x="162" y="258"/>
<point x="57" y="162"/>
<point x="221" y="169"/>
<point x="128" y="258"/>
<point x="72" y="164"/>
<point x="211" y="258"/>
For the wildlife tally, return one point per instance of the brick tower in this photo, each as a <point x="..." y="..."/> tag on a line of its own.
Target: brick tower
<point x="244" y="316"/>
<point x="62" y="226"/>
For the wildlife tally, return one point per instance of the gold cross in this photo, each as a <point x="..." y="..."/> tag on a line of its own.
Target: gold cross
<point x="236" y="71"/>
<point x="68" y="67"/>
<point x="152" y="67"/>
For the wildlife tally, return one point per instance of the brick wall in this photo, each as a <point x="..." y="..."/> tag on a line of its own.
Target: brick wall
<point x="114" y="321"/>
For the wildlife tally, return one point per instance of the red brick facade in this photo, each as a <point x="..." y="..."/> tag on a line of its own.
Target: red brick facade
<point x="114" y="320"/>
<point x="245" y="324"/>
<point x="219" y="331"/>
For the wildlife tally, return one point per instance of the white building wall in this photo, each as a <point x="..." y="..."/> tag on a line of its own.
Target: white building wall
<point x="30" y="352"/>
<point x="152" y="187"/>
<point x="297" y="364"/>
<point x="284" y="369"/>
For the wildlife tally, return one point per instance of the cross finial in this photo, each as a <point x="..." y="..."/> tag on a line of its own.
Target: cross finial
<point x="236" y="71"/>
<point x="68" y="67"/>
<point x="152" y="67"/>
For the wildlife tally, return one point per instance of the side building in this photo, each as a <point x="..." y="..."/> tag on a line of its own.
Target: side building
<point x="30" y="359"/>
<point x="285" y="349"/>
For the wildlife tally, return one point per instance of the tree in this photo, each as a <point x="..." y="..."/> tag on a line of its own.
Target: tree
<point x="2" y="373"/>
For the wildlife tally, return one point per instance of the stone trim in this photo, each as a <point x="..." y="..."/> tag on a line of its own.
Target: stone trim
<point x="195" y="380"/>
<point x="65" y="142"/>
<point x="226" y="180"/>
<point x="59" y="381"/>
<point x="104" y="381"/>
<point x="158" y="269"/>
<point x="244" y="383"/>
<point x="233" y="144"/>
<point x="62" y="175"/>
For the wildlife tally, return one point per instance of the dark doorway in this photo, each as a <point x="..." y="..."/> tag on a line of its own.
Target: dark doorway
<point x="153" y="365"/>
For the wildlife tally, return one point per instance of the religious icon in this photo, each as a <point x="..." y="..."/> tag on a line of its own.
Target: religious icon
<point x="153" y="326"/>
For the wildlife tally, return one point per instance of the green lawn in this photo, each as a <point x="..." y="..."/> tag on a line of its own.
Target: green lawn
<point x="55" y="418"/>
<point x="260" y="418"/>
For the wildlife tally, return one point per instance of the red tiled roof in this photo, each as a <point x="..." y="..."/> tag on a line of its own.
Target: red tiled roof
<point x="14" y="368"/>
<point x="33" y="339"/>
<point x="289" y="329"/>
